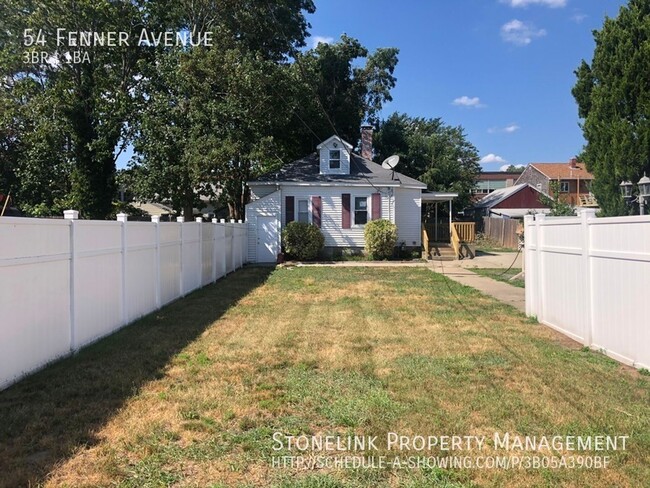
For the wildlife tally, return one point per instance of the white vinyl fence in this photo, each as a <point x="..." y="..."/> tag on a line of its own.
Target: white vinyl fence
<point x="589" y="278"/>
<point x="66" y="283"/>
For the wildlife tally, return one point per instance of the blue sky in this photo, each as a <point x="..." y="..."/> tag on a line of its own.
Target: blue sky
<point x="503" y="69"/>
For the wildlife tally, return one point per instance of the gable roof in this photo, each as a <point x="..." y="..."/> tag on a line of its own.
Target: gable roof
<point x="563" y="171"/>
<point x="362" y="172"/>
<point x="498" y="196"/>
<point x="337" y="139"/>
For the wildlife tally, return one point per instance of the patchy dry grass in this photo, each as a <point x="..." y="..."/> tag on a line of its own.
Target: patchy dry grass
<point x="192" y="395"/>
<point x="501" y="274"/>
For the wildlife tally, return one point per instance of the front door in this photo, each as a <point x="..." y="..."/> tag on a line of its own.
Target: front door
<point x="267" y="239"/>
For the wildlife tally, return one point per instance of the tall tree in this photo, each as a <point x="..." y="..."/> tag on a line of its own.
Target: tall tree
<point x="75" y="111"/>
<point x="210" y="113"/>
<point x="431" y="151"/>
<point x="336" y="87"/>
<point x="613" y="96"/>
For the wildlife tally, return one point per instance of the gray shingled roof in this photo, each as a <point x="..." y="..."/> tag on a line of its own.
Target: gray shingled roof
<point x="307" y="170"/>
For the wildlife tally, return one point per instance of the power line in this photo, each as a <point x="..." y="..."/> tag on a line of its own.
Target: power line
<point x="504" y="346"/>
<point x="296" y="57"/>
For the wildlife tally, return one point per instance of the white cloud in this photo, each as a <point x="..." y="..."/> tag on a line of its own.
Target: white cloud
<point x="465" y="101"/>
<point x="526" y="3"/>
<point x="506" y="166"/>
<point x="509" y="129"/>
<point x="578" y="18"/>
<point x="316" y="40"/>
<point x="520" y="33"/>
<point x="492" y="158"/>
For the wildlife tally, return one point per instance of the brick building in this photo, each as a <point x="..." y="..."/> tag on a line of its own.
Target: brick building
<point x="574" y="181"/>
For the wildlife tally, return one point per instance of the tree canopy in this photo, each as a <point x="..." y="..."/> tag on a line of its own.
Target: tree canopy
<point x="431" y="151"/>
<point x="613" y="96"/>
<point x="63" y="121"/>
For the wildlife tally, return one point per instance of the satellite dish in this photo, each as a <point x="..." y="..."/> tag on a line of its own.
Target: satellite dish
<point x="390" y="162"/>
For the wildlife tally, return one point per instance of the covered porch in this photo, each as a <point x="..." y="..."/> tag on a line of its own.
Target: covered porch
<point x="442" y="237"/>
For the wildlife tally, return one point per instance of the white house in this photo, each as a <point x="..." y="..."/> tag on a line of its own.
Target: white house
<point x="337" y="190"/>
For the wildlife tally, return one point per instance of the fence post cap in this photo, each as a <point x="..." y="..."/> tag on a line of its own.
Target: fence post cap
<point x="155" y="219"/>
<point x="215" y="221"/>
<point x="122" y="217"/>
<point x="540" y="216"/>
<point x="223" y="221"/>
<point x="232" y="221"/>
<point x="199" y="219"/>
<point x="180" y="219"/>
<point x="588" y="212"/>
<point x="71" y="214"/>
<point x="529" y="218"/>
<point x="240" y="221"/>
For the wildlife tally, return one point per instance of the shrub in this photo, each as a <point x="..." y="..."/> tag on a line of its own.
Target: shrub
<point x="302" y="241"/>
<point x="381" y="237"/>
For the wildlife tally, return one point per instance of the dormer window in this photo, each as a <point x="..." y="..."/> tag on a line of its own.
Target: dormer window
<point x="335" y="159"/>
<point x="334" y="156"/>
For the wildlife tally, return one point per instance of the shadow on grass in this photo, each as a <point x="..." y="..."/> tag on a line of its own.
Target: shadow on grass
<point x="47" y="416"/>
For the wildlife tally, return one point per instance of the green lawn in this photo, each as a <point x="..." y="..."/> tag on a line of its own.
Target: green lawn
<point x="192" y="395"/>
<point x="501" y="274"/>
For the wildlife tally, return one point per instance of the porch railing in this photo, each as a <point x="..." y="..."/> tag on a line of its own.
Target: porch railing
<point x="455" y="241"/>
<point x="425" y="241"/>
<point x="466" y="231"/>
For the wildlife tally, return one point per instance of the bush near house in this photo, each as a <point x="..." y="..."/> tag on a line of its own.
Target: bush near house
<point x="302" y="241"/>
<point x="381" y="238"/>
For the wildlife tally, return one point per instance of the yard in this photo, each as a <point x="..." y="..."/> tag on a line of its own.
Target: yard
<point x="192" y="394"/>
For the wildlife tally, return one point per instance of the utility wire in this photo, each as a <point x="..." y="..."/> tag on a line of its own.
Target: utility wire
<point x="296" y="57"/>
<point x="445" y="278"/>
<point x="524" y="361"/>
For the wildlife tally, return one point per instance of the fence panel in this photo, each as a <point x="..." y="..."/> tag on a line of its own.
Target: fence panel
<point x="170" y="261"/>
<point x="35" y="296"/>
<point x="502" y="231"/>
<point x="588" y="278"/>
<point x="230" y="265"/>
<point x="67" y="283"/>
<point x="220" y="244"/>
<point x="141" y="274"/>
<point x="98" y="287"/>
<point x="207" y="253"/>
<point x="191" y="255"/>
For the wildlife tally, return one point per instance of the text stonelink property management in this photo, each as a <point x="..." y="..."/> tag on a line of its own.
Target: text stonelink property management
<point x="397" y="442"/>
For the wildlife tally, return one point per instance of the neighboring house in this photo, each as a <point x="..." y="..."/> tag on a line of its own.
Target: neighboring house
<point x="574" y="181"/>
<point x="338" y="191"/>
<point x="489" y="181"/>
<point x="152" y="208"/>
<point x="513" y="202"/>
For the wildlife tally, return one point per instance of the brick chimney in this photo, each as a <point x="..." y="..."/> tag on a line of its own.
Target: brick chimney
<point x="366" y="141"/>
<point x="573" y="163"/>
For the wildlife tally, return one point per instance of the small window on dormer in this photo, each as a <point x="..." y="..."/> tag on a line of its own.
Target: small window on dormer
<point x="335" y="158"/>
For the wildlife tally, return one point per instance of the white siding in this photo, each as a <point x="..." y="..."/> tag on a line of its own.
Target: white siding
<point x="269" y="205"/>
<point x="324" y="157"/>
<point x="332" y="211"/>
<point x="408" y="205"/>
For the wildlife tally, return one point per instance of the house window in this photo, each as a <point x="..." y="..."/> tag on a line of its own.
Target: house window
<point x="360" y="210"/>
<point x="303" y="211"/>
<point x="564" y="187"/>
<point x="335" y="158"/>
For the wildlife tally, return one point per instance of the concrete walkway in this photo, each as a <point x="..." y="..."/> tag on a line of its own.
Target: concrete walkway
<point x="459" y="272"/>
